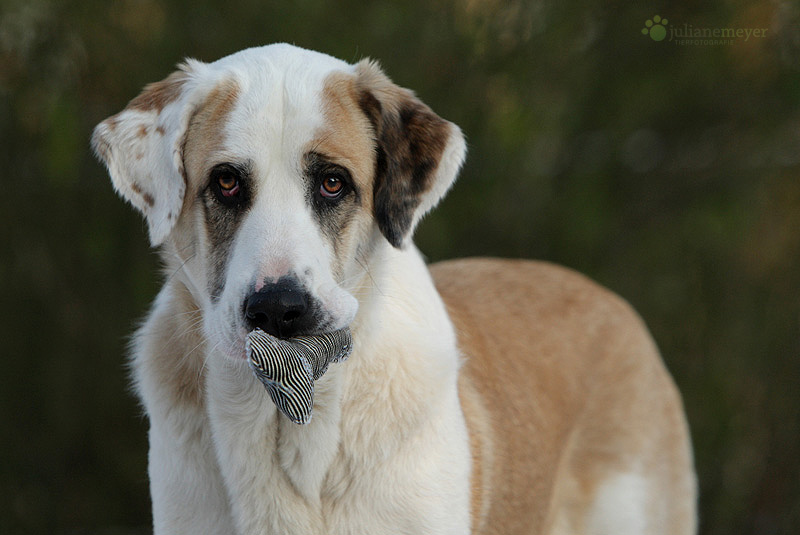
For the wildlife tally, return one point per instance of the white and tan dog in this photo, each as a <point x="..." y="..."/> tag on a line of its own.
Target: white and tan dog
<point x="505" y="398"/>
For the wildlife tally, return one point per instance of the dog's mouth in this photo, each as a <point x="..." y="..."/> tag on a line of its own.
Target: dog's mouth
<point x="288" y="367"/>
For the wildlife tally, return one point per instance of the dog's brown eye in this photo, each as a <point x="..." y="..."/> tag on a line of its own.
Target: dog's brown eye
<point x="228" y="184"/>
<point x="329" y="182"/>
<point x="331" y="187"/>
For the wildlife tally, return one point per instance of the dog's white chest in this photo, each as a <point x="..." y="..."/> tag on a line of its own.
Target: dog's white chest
<point x="305" y="453"/>
<point x="288" y="479"/>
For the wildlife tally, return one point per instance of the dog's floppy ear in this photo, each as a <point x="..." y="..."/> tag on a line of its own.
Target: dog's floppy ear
<point x="418" y="153"/>
<point x="142" y="147"/>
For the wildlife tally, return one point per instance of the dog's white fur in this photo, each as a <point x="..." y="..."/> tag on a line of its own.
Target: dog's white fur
<point x="388" y="449"/>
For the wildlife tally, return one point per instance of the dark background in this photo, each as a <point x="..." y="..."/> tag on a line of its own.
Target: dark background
<point x="667" y="172"/>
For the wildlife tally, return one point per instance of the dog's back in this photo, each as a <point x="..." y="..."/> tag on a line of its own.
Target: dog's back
<point x="576" y="426"/>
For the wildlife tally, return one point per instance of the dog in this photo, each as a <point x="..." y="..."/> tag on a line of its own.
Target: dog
<point x="282" y="188"/>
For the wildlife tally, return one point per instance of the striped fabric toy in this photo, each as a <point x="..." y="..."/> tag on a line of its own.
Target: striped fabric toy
<point x="288" y="368"/>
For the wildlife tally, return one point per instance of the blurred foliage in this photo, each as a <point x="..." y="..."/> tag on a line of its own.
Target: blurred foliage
<point x="669" y="173"/>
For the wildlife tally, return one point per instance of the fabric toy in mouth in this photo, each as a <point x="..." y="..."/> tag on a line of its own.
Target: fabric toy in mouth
<point x="289" y="367"/>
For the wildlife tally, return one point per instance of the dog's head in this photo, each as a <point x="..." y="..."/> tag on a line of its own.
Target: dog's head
<point x="269" y="175"/>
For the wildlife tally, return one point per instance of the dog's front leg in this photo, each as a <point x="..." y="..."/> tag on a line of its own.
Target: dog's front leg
<point x="246" y="434"/>
<point x="186" y="487"/>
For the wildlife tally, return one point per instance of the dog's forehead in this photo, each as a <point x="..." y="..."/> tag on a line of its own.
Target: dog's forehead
<point x="280" y="93"/>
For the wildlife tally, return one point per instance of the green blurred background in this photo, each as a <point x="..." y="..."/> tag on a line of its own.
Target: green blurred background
<point x="670" y="173"/>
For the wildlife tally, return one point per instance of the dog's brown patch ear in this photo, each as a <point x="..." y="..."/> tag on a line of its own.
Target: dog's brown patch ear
<point x="158" y="95"/>
<point x="142" y="149"/>
<point x="418" y="153"/>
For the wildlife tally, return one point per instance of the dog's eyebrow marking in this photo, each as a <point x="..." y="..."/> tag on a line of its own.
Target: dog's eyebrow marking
<point x="204" y="134"/>
<point x="203" y="142"/>
<point x="345" y="137"/>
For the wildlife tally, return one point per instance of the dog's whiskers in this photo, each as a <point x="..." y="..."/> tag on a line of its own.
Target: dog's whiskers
<point x="194" y="322"/>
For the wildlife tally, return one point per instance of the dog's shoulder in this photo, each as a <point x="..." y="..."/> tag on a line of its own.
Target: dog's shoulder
<point x="167" y="352"/>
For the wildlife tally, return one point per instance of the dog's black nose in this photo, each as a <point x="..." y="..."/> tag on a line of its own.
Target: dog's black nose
<point x="280" y="309"/>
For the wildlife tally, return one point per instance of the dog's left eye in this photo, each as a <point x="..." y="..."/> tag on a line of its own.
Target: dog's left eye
<point x="332" y="186"/>
<point x="329" y="182"/>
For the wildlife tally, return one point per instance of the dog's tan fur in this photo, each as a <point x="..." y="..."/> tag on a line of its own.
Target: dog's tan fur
<point x="562" y="387"/>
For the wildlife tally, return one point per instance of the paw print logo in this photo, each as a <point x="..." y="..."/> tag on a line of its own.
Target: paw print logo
<point x="655" y="28"/>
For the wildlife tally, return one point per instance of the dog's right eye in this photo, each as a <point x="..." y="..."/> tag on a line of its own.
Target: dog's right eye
<point x="226" y="184"/>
